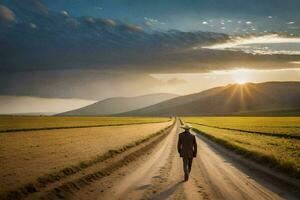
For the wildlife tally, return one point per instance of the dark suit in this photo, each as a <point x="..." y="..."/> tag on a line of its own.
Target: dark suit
<point x="187" y="148"/>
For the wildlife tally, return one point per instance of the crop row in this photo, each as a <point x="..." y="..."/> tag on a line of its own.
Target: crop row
<point x="21" y="123"/>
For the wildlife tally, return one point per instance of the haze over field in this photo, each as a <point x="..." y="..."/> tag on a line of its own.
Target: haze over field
<point x="38" y="105"/>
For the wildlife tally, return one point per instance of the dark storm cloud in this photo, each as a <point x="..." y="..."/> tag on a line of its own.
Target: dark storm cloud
<point x="59" y="41"/>
<point x="45" y="40"/>
<point x="88" y="43"/>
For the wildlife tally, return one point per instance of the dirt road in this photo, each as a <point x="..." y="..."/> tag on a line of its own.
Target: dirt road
<point x="216" y="174"/>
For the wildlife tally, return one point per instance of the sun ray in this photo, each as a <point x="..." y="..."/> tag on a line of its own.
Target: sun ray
<point x="248" y="92"/>
<point x="242" y="98"/>
<point x="228" y="100"/>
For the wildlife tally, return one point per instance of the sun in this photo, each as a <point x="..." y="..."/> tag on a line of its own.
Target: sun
<point x="241" y="76"/>
<point x="241" y="82"/>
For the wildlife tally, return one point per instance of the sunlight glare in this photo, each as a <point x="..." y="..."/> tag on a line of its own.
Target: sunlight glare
<point x="241" y="76"/>
<point x="241" y="82"/>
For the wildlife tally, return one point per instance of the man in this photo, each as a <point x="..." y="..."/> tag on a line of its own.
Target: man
<point x="187" y="148"/>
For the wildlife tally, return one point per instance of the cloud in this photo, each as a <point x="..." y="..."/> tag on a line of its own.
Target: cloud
<point x="295" y="62"/>
<point x="64" y="13"/>
<point x="108" y="22"/>
<point x="58" y="41"/>
<point x="89" y="20"/>
<point x="6" y="15"/>
<point x="131" y="27"/>
<point x="33" y="26"/>
<point x="176" y="81"/>
<point x="82" y="84"/>
<point x="261" y="45"/>
<point x="150" y="22"/>
<point x="105" y="45"/>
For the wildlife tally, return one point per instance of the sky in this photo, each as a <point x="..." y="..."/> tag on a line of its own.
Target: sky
<point x="88" y="50"/>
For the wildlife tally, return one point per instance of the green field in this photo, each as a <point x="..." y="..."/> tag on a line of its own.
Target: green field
<point x="243" y="135"/>
<point x="23" y="123"/>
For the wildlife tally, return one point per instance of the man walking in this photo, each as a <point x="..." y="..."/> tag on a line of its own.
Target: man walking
<point x="187" y="148"/>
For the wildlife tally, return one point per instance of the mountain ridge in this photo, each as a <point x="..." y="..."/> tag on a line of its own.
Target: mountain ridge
<point x="229" y="100"/>
<point x="116" y="105"/>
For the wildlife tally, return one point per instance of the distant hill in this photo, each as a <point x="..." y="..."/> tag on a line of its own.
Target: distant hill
<point x="119" y="104"/>
<point x="234" y="99"/>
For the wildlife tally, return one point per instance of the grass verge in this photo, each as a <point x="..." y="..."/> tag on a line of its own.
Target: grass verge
<point x="286" y="167"/>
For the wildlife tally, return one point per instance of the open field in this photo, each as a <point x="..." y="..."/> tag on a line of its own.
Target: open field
<point x="23" y="123"/>
<point x="25" y="156"/>
<point x="276" y="126"/>
<point x="131" y="162"/>
<point x="276" y="152"/>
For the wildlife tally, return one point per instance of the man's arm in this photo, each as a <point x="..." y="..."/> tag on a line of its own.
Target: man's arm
<point x="179" y="145"/>
<point x="195" y="147"/>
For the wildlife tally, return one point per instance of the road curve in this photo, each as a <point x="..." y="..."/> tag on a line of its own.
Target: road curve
<point x="215" y="175"/>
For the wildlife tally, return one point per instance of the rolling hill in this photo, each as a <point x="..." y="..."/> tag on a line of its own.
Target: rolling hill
<point x="119" y="104"/>
<point x="262" y="99"/>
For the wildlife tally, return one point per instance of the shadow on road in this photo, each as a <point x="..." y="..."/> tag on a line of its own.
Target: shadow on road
<point x="168" y="192"/>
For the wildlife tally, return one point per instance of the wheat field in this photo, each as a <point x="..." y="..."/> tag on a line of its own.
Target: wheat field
<point x="24" y="156"/>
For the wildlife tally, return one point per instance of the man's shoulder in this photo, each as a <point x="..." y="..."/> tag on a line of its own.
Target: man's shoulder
<point x="186" y="134"/>
<point x="182" y="134"/>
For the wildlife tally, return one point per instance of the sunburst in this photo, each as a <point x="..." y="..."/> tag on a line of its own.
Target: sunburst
<point x="241" y="76"/>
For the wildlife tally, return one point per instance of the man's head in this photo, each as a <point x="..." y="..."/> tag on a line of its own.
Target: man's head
<point x="186" y="127"/>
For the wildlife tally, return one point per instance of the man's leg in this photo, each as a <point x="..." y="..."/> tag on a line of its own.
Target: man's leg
<point x="185" y="165"/>
<point x="185" y="168"/>
<point x="190" y="161"/>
